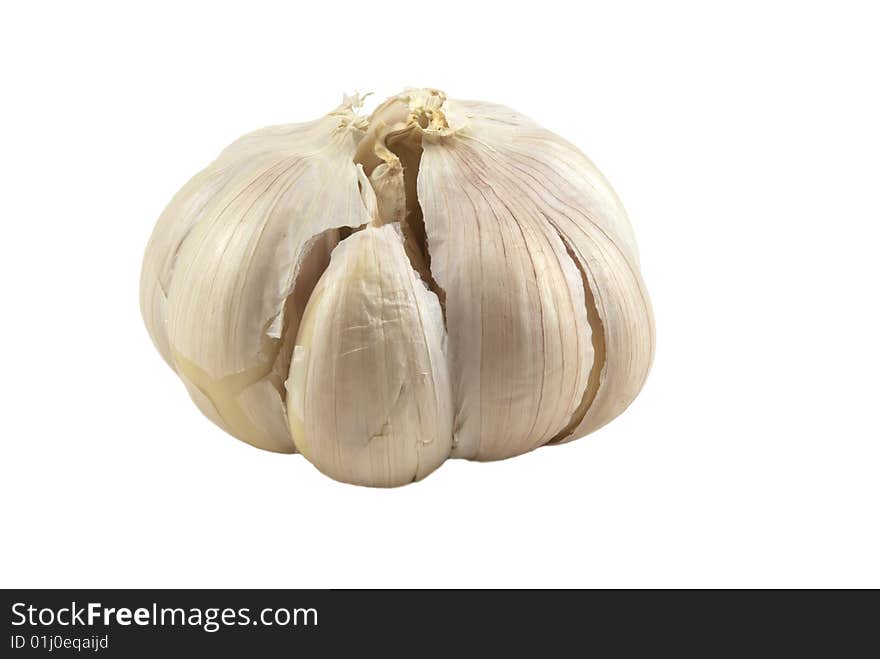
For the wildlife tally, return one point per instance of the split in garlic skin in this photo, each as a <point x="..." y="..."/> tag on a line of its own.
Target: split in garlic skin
<point x="441" y="279"/>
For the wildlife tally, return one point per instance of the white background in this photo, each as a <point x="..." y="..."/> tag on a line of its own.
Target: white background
<point x="744" y="143"/>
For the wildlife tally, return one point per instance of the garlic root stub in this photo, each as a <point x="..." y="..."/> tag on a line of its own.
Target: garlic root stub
<point x="440" y="279"/>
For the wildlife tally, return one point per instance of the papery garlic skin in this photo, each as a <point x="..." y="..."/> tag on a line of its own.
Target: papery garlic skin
<point x="442" y="279"/>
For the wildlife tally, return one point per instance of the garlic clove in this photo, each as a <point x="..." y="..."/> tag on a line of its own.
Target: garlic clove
<point x="172" y="228"/>
<point x="579" y="203"/>
<point x="369" y="399"/>
<point x="227" y="255"/>
<point x="519" y="336"/>
<point x="623" y="322"/>
<point x="516" y="175"/>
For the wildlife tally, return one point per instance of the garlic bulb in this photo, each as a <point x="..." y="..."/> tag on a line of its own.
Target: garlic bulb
<point x="440" y="279"/>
